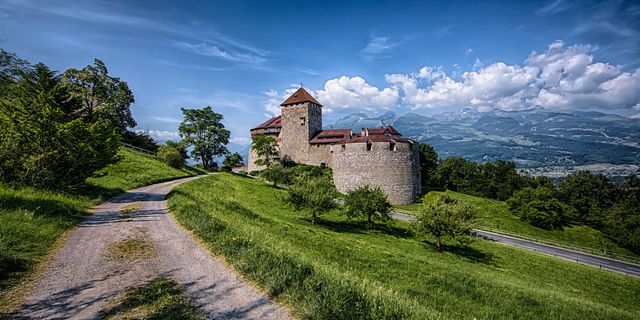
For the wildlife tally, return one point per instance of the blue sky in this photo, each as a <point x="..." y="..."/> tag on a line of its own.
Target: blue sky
<point x="244" y="57"/>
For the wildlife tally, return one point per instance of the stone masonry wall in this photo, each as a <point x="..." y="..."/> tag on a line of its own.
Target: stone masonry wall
<point x="299" y="123"/>
<point x="395" y="172"/>
<point x="319" y="154"/>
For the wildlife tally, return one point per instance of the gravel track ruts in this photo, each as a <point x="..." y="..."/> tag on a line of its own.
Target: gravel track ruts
<point x="82" y="280"/>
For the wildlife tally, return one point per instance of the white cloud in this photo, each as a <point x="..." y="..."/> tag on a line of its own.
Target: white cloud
<point x="354" y="92"/>
<point x="240" y="140"/>
<point x="166" y="119"/>
<point x="275" y="98"/>
<point x="561" y="77"/>
<point x="162" y="135"/>
<point x="378" y="48"/>
<point x="212" y="50"/>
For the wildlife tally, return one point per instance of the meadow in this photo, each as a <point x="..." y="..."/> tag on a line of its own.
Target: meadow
<point x="497" y="217"/>
<point x="338" y="269"/>
<point x="34" y="220"/>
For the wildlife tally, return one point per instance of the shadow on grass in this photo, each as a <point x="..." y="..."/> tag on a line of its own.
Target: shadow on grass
<point x="41" y="206"/>
<point x="360" y="227"/>
<point x="462" y="251"/>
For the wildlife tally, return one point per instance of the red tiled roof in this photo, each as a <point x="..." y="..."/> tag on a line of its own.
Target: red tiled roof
<point x="300" y="96"/>
<point x="376" y="131"/>
<point x="275" y="122"/>
<point x="378" y="138"/>
<point x="393" y="130"/>
<point x="331" y="136"/>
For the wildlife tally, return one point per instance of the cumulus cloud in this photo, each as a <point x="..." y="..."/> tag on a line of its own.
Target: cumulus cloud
<point x="354" y="92"/>
<point x="562" y="77"/>
<point x="162" y="135"/>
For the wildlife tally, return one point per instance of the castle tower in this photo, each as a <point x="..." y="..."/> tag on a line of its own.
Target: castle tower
<point x="301" y="119"/>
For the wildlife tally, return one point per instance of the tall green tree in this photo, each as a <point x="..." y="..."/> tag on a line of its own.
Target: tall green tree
<point x="265" y="148"/>
<point x="314" y="194"/>
<point x="203" y="130"/>
<point x="447" y="218"/>
<point x="101" y="95"/>
<point x="589" y="193"/>
<point x="540" y="208"/>
<point x="41" y="142"/>
<point x="232" y="160"/>
<point x="428" y="164"/>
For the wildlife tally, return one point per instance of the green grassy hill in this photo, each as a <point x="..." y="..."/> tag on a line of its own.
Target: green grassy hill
<point x="33" y="220"/>
<point x="340" y="270"/>
<point x="497" y="217"/>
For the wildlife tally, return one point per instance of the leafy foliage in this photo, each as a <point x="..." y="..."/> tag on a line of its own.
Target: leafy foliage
<point x="278" y="174"/>
<point x="315" y="194"/>
<point x="43" y="143"/>
<point x="428" y="164"/>
<point x="171" y="156"/>
<point x="265" y="148"/>
<point x="369" y="203"/>
<point x="233" y="160"/>
<point x="101" y="96"/>
<point x="540" y="208"/>
<point x="203" y="129"/>
<point x="590" y="194"/>
<point x="447" y="218"/>
<point x="140" y="140"/>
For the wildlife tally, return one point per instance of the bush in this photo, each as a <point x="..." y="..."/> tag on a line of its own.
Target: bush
<point x="314" y="194"/>
<point x="277" y="174"/>
<point x="540" y="208"/>
<point x="369" y="203"/>
<point x="447" y="218"/>
<point x="171" y="156"/>
<point x="254" y="173"/>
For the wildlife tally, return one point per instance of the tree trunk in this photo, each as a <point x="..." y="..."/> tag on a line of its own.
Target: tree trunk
<point x="438" y="244"/>
<point x="314" y="219"/>
<point x="369" y="222"/>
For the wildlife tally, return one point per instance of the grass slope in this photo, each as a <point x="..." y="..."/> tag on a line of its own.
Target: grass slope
<point x="33" y="220"/>
<point x="340" y="270"/>
<point x="496" y="215"/>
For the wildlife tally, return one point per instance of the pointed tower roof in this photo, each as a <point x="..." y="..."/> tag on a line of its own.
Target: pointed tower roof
<point x="300" y="96"/>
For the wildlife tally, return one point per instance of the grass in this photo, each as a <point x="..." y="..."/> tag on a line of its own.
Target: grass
<point x="496" y="216"/>
<point x="133" y="247"/>
<point x="160" y="299"/>
<point x="34" y="221"/>
<point x="341" y="270"/>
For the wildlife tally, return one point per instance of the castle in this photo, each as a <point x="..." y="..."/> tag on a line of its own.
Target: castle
<point x="377" y="156"/>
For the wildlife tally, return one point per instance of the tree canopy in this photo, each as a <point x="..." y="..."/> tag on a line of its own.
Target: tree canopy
<point x="315" y="194"/>
<point x="203" y="130"/>
<point x="447" y="218"/>
<point x="265" y="148"/>
<point x="369" y="203"/>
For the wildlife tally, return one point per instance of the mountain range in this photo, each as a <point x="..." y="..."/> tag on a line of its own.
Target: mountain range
<point x="532" y="138"/>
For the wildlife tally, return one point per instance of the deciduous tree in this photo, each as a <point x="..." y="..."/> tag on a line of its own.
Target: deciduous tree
<point x="447" y="218"/>
<point x="539" y="207"/>
<point x="265" y="148"/>
<point x="369" y="203"/>
<point x="204" y="131"/>
<point x="316" y="195"/>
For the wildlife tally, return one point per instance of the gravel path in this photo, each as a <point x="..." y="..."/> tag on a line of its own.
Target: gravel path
<point x="85" y="275"/>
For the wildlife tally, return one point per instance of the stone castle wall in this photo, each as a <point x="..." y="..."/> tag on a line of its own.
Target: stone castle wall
<point x="397" y="172"/>
<point x="319" y="154"/>
<point x="299" y="123"/>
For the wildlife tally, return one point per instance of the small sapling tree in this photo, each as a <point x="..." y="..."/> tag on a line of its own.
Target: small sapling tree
<point x="447" y="218"/>
<point x="277" y="174"/>
<point x="265" y="148"/>
<point x="316" y="195"/>
<point x="369" y="203"/>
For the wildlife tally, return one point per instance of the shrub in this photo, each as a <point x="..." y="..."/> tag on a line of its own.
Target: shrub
<point x="277" y="174"/>
<point x="447" y="218"/>
<point x="367" y="202"/>
<point x="539" y="207"/>
<point x="314" y="194"/>
<point x="254" y="173"/>
<point x="170" y="156"/>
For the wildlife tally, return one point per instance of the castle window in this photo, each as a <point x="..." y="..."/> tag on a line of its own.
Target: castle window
<point x="302" y="121"/>
<point x="369" y="146"/>
<point x="392" y="146"/>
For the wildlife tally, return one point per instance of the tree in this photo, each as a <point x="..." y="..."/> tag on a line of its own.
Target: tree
<point x="41" y="142"/>
<point x="140" y="140"/>
<point x="170" y="156"/>
<point x="233" y="160"/>
<point x="316" y="195"/>
<point x="458" y="174"/>
<point x="447" y="218"/>
<point x="367" y="202"/>
<point x="265" y="148"/>
<point x="180" y="146"/>
<point x="203" y="129"/>
<point x="277" y="174"/>
<point x="428" y="164"/>
<point x="101" y="96"/>
<point x="590" y="194"/>
<point x="539" y="207"/>
<point x="499" y="179"/>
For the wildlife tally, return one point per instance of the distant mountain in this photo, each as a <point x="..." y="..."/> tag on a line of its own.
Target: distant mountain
<point x="531" y="138"/>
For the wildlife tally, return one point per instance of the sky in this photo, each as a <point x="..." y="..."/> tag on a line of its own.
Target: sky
<point x="244" y="57"/>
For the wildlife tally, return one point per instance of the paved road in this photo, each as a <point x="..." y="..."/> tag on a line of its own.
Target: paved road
<point x="589" y="259"/>
<point x="83" y="278"/>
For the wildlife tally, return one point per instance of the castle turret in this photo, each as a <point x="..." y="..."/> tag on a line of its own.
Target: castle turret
<point x="301" y="119"/>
